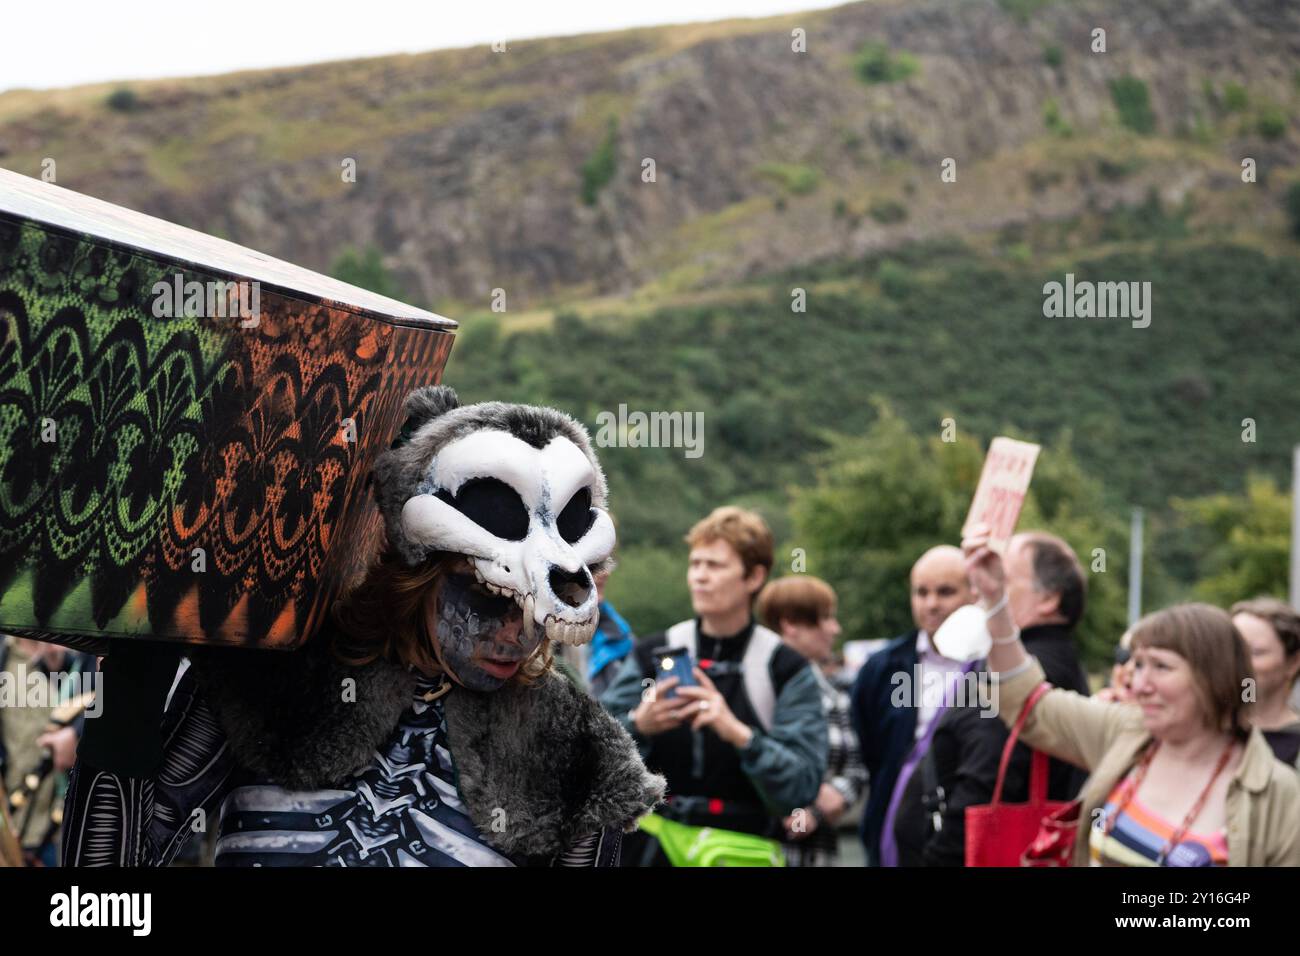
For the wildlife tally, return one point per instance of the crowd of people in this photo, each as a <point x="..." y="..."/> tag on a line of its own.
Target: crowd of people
<point x="1190" y="752"/>
<point x="757" y="743"/>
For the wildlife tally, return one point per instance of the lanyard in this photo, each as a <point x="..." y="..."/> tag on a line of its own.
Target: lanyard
<point x="1135" y="781"/>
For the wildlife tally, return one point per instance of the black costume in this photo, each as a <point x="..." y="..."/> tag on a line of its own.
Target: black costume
<point x="306" y="760"/>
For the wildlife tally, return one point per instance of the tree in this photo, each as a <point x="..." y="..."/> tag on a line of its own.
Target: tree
<point x="882" y="499"/>
<point x="1133" y="101"/>
<point x="123" y="100"/>
<point x="1244" y="540"/>
<point x="366" y="270"/>
<point x="600" y="166"/>
<point x="1293" y="208"/>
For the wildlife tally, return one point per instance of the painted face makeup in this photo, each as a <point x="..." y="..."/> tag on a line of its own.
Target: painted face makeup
<point x="481" y="635"/>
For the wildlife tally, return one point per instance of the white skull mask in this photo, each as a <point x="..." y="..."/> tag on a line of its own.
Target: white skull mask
<point x="523" y="517"/>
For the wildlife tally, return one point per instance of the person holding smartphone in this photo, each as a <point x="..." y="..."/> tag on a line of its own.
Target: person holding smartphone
<point x="736" y="723"/>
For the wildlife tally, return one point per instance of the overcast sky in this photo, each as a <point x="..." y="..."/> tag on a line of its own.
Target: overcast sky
<point x="69" y="42"/>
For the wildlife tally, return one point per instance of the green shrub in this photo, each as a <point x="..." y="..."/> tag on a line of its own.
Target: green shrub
<point x="1113" y="170"/>
<point x="1022" y="10"/>
<point x="365" y="269"/>
<point x="794" y="178"/>
<point x="1271" y="122"/>
<point x="1054" y="121"/>
<point x="875" y="63"/>
<point x="1209" y="91"/>
<point x="1146" y="220"/>
<point x="888" y="211"/>
<point x="123" y="100"/>
<point x="1019" y="252"/>
<point x="599" y="168"/>
<point x="1053" y="56"/>
<point x="1134" y="104"/>
<point x="1293" y="208"/>
<point x="1199" y="129"/>
<point x="895" y="280"/>
<point x="1235" y="98"/>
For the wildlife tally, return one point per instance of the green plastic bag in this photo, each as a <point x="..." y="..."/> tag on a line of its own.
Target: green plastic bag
<point x="708" y="846"/>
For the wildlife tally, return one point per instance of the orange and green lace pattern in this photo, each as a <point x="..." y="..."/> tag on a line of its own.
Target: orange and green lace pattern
<point x="183" y="478"/>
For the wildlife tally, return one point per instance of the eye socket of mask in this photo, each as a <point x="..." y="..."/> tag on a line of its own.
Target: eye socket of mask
<point x="577" y="517"/>
<point x="493" y="505"/>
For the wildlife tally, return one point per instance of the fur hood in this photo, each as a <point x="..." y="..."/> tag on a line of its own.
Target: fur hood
<point x="434" y="418"/>
<point x="547" y="755"/>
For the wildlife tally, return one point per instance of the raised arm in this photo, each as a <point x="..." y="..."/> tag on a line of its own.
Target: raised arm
<point x="1066" y="725"/>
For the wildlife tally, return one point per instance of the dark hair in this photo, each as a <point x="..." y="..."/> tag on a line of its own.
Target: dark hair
<point x="1207" y="639"/>
<point x="1057" y="571"/>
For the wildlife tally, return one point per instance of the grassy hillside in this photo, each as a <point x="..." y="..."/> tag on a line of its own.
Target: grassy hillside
<point x="525" y="170"/>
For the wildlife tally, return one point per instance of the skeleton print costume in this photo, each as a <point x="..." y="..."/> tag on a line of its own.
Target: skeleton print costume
<point x="408" y="770"/>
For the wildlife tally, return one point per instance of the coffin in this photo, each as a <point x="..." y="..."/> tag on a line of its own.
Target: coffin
<point x="186" y="427"/>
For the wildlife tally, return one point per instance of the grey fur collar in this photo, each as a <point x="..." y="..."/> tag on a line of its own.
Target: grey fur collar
<point x="546" y="761"/>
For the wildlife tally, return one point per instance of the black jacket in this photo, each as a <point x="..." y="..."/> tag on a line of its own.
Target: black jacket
<point x="545" y="755"/>
<point x="964" y="757"/>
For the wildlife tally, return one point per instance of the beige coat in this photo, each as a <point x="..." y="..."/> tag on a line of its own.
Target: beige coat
<point x="1263" y="801"/>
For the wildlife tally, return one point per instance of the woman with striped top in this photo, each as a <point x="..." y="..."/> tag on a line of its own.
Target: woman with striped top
<point x="1178" y="777"/>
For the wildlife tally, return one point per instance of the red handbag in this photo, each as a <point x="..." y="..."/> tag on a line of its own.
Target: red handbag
<point x="999" y="834"/>
<point x="1054" y="844"/>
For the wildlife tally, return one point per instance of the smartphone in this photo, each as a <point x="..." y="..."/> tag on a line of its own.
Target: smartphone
<point x="675" y="662"/>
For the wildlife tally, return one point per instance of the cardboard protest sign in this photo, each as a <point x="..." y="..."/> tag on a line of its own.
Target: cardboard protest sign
<point x="186" y="427"/>
<point x="1001" y="491"/>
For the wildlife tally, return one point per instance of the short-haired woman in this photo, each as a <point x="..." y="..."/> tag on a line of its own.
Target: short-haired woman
<point x="801" y="608"/>
<point x="1272" y="632"/>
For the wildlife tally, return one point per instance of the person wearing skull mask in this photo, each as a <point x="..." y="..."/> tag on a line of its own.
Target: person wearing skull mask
<point x="423" y="726"/>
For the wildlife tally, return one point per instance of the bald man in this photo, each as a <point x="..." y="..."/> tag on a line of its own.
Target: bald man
<point x="890" y="715"/>
<point x="1047" y="592"/>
